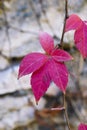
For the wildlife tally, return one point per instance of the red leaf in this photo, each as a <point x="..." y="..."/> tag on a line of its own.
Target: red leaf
<point x="31" y="63"/>
<point x="59" y="74"/>
<point x="40" y="81"/>
<point x="73" y="22"/>
<point x="82" y="127"/>
<point x="45" y="68"/>
<point x="81" y="39"/>
<point x="80" y="36"/>
<point x="61" y="55"/>
<point x="51" y="71"/>
<point x="46" y="41"/>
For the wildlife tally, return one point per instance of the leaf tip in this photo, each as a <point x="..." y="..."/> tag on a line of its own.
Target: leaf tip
<point x="41" y="34"/>
<point x="64" y="92"/>
<point x="19" y="75"/>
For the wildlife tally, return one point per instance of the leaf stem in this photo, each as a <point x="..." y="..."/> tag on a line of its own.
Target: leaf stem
<point x="65" y="112"/>
<point x="66" y="16"/>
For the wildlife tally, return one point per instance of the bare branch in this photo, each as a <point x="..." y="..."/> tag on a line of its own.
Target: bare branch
<point x="66" y="16"/>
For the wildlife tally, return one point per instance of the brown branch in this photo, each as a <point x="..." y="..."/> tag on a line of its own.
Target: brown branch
<point x="65" y="112"/>
<point x="66" y="16"/>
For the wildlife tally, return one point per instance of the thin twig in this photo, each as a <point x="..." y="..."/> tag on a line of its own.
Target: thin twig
<point x="61" y="44"/>
<point x="58" y="108"/>
<point x="66" y="16"/>
<point x="66" y="114"/>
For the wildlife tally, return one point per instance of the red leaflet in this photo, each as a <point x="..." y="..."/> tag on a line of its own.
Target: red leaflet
<point x="40" y="81"/>
<point x="61" y="55"/>
<point x="73" y="22"/>
<point x="59" y="74"/>
<point x="46" y="68"/>
<point x="46" y="42"/>
<point x="31" y="63"/>
<point x="82" y="127"/>
<point x="80" y="36"/>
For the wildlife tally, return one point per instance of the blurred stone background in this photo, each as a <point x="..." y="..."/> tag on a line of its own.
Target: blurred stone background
<point x="20" y="22"/>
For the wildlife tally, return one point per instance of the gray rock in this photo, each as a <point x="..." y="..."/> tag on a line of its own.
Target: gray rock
<point x="4" y="63"/>
<point x="18" y="111"/>
<point x="2" y="126"/>
<point x="9" y="82"/>
<point x="15" y="112"/>
<point x="75" y="6"/>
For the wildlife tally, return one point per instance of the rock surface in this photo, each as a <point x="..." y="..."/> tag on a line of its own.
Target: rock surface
<point x="14" y="113"/>
<point x="26" y="18"/>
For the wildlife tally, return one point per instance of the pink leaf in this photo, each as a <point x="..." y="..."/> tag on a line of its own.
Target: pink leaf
<point x="81" y="39"/>
<point x="59" y="74"/>
<point x="31" y="63"/>
<point x="82" y="127"/>
<point x="61" y="55"/>
<point x="73" y="22"/>
<point x="46" y="41"/>
<point x="40" y="82"/>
